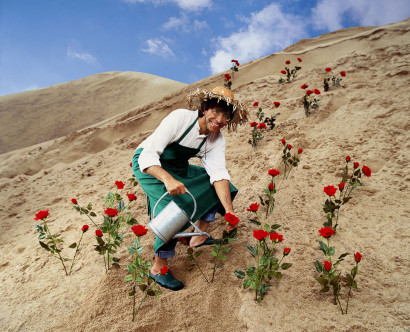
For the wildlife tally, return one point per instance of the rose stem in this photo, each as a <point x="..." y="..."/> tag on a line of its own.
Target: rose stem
<point x="76" y="251"/>
<point x="55" y="246"/>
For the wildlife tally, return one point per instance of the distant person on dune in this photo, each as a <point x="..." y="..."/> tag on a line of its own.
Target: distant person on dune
<point x="161" y="165"/>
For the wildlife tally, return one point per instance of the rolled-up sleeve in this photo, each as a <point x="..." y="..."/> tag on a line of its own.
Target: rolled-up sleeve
<point x="214" y="162"/>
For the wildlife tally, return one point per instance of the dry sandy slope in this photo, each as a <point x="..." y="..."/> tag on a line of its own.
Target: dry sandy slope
<point x="36" y="116"/>
<point x="367" y="117"/>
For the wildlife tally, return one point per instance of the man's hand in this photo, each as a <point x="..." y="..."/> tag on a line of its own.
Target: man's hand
<point x="174" y="187"/>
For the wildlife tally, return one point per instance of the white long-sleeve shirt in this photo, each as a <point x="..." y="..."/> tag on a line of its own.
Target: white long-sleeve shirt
<point x="172" y="127"/>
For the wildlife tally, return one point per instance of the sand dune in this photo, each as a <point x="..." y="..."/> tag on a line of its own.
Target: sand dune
<point x="366" y="117"/>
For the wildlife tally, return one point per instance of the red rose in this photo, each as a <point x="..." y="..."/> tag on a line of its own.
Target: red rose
<point x="304" y="86"/>
<point x="289" y="146"/>
<point x="119" y="184"/>
<point x="99" y="233"/>
<point x="273" y="172"/>
<point x="164" y="270"/>
<point x="131" y="197"/>
<point x="328" y="266"/>
<point x="236" y="62"/>
<point x="253" y="208"/>
<point x="255" y="104"/>
<point x="366" y="171"/>
<point x="283" y="72"/>
<point x="275" y="237"/>
<point x="287" y="62"/>
<point x="260" y="234"/>
<point x="131" y="164"/>
<point x="355" y="164"/>
<point x="347" y="158"/>
<point x="343" y="73"/>
<point x="139" y="230"/>
<point x="85" y="228"/>
<point x="357" y="257"/>
<point x="300" y="151"/>
<point x="300" y="60"/>
<point x="330" y="190"/>
<point x="341" y="186"/>
<point x="270" y="187"/>
<point x="74" y="201"/>
<point x="309" y="92"/>
<point x="254" y="124"/>
<point x="227" y="77"/>
<point x="276" y="103"/>
<point x="111" y="212"/>
<point x="317" y="91"/>
<point x="326" y="232"/>
<point x="328" y="69"/>
<point x="286" y="251"/>
<point x="262" y="126"/>
<point x="283" y="141"/>
<point x="40" y="215"/>
<point x="231" y="219"/>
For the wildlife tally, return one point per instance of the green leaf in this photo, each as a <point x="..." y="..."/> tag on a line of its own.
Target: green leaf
<point x="331" y="251"/>
<point x="131" y="268"/>
<point x="132" y="293"/>
<point x="349" y="279"/>
<point x="266" y="227"/>
<point x="323" y="247"/>
<point x="239" y="274"/>
<point x="251" y="249"/>
<point x="254" y="221"/>
<point x="115" y="259"/>
<point x="92" y="214"/>
<point x="39" y="229"/>
<point x="131" y="250"/>
<point x="84" y="210"/>
<point x="319" y="267"/>
<point x="278" y="276"/>
<point x="89" y="206"/>
<point x="132" y="221"/>
<point x="250" y="271"/>
<point x="151" y="292"/>
<point x="129" y="278"/>
<point x="246" y="283"/>
<point x="223" y="257"/>
<point x="73" y="245"/>
<point x="274" y="227"/>
<point x="343" y="255"/>
<point x="323" y="281"/>
<point x="143" y="287"/>
<point x="45" y="246"/>
<point x="354" y="271"/>
<point x="325" y="289"/>
<point x="213" y="253"/>
<point x="346" y="199"/>
<point x="286" y="266"/>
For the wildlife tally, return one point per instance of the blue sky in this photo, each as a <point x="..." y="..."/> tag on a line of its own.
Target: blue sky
<point x="45" y="42"/>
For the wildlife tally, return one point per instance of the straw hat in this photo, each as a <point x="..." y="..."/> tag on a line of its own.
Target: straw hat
<point x="240" y="112"/>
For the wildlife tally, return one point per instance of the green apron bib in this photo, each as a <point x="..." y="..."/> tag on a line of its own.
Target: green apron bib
<point x="174" y="160"/>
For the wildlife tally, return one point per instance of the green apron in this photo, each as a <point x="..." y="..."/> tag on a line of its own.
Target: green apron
<point x="174" y="160"/>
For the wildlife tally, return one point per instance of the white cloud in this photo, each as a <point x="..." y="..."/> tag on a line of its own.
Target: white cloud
<point x="86" y="57"/>
<point x="267" y="31"/>
<point x="183" y="23"/>
<point x="189" y="5"/>
<point x="329" y="14"/>
<point x="158" y="47"/>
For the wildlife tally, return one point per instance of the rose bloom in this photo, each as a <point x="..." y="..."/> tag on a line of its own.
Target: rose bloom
<point x="139" y="230"/>
<point x="283" y="141"/>
<point x="304" y="86"/>
<point x="343" y="73"/>
<point x="231" y="219"/>
<point x="227" y="77"/>
<point x="341" y="186"/>
<point x="286" y="251"/>
<point x="366" y="171"/>
<point x="317" y="91"/>
<point x="111" y="212"/>
<point x="275" y="237"/>
<point x="236" y="62"/>
<point x="40" y="215"/>
<point x="74" y="201"/>
<point x="270" y="187"/>
<point x="260" y="234"/>
<point x="309" y="92"/>
<point x="347" y="158"/>
<point x="254" y="124"/>
<point x="131" y="197"/>
<point x="119" y="184"/>
<point x="357" y="257"/>
<point x="262" y="126"/>
<point x="330" y="190"/>
<point x="253" y="207"/>
<point x="283" y="72"/>
<point x="99" y="233"/>
<point x="164" y="270"/>
<point x="327" y="265"/>
<point x="85" y="228"/>
<point x="300" y="60"/>
<point x="273" y="172"/>
<point x="328" y="69"/>
<point x="276" y="103"/>
<point x="255" y="104"/>
<point x="131" y="164"/>
<point x="355" y="164"/>
<point x="300" y="151"/>
<point x="326" y="232"/>
<point x="287" y="62"/>
<point x="289" y="146"/>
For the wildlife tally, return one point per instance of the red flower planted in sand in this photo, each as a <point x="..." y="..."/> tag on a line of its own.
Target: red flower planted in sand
<point x="300" y="151"/>
<point x="85" y="228"/>
<point x="276" y="103"/>
<point x="286" y="251"/>
<point x="275" y="237"/>
<point x="231" y="219"/>
<point x="287" y="62"/>
<point x="355" y="164"/>
<point x="273" y="172"/>
<point x="111" y="212"/>
<point x="357" y="257"/>
<point x="262" y="126"/>
<point x="336" y="79"/>
<point x="327" y="265"/>
<point x="283" y="141"/>
<point x="254" y="124"/>
<point x="74" y="201"/>
<point x="330" y="190"/>
<point x="255" y="104"/>
<point x="304" y="86"/>
<point x="164" y="269"/>
<point x="236" y="62"/>
<point x="341" y="186"/>
<point x="326" y="232"/>
<point x="260" y="234"/>
<point x="290" y="73"/>
<point x="289" y="160"/>
<point x="309" y="92"/>
<point x="366" y="171"/>
<point x="271" y="187"/>
<point x="289" y="146"/>
<point x="283" y="72"/>
<point x="119" y="184"/>
<point x="343" y="74"/>
<point x="139" y="230"/>
<point x="227" y="77"/>
<point x="99" y="233"/>
<point x="253" y="207"/>
<point x="317" y="91"/>
<point x="40" y="215"/>
<point x="328" y="69"/>
<point x="227" y="80"/>
<point x="299" y="59"/>
<point x="131" y="164"/>
<point x="131" y="197"/>
<point x="347" y="158"/>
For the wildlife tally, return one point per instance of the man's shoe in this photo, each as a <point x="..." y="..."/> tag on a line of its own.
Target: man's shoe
<point x="209" y="241"/>
<point x="167" y="281"/>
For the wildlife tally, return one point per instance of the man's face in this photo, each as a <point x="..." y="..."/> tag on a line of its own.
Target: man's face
<point x="216" y="119"/>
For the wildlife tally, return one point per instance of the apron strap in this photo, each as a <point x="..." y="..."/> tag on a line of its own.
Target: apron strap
<point x="187" y="131"/>
<point x="202" y="143"/>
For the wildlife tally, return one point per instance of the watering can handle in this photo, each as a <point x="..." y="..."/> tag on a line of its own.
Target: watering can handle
<point x="187" y="191"/>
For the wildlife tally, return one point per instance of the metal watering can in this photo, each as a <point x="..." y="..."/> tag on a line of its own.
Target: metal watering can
<point x="171" y="219"/>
